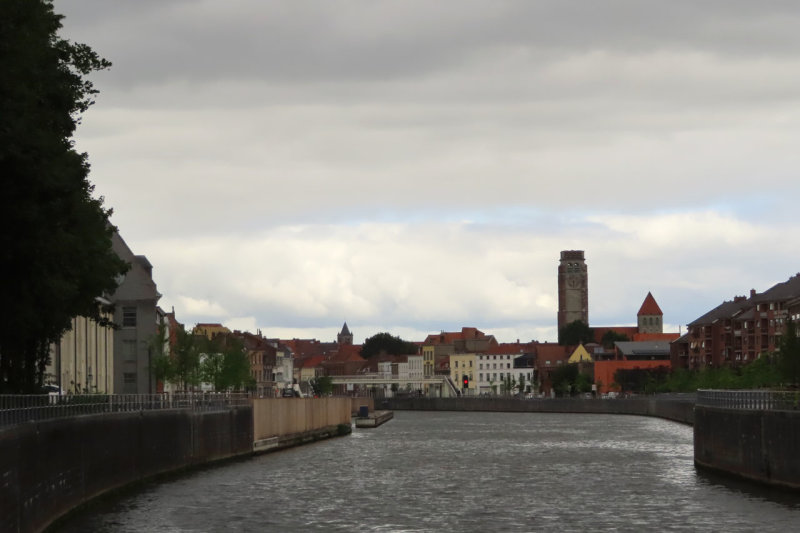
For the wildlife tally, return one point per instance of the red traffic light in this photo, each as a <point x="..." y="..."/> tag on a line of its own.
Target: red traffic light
<point x="466" y="381"/>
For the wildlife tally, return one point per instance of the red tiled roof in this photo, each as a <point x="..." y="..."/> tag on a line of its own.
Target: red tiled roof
<point x="448" y="337"/>
<point x="649" y="306"/>
<point x="310" y="362"/>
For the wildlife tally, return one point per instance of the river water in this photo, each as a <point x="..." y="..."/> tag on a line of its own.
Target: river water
<point x="456" y="471"/>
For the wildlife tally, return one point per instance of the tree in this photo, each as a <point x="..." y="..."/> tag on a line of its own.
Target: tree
<point x="789" y="355"/>
<point x="162" y="366"/>
<point x="577" y="332"/>
<point x="563" y="379"/>
<point x="225" y="364"/>
<point x="186" y="360"/>
<point x="321" y="385"/>
<point x="56" y="238"/>
<point x="386" y="343"/>
<point x="610" y="337"/>
<point x="522" y="383"/>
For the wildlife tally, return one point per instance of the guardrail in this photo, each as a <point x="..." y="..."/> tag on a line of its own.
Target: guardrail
<point x="759" y="400"/>
<point x="21" y="408"/>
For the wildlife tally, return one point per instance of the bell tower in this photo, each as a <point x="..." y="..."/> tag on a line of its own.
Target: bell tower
<point x="573" y="288"/>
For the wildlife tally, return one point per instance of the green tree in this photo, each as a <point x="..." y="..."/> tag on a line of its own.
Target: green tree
<point x="522" y="383"/>
<point x="610" y="337"/>
<point x="577" y="332"/>
<point x="563" y="379"/>
<point x="162" y="365"/>
<point x="56" y="237"/>
<point x="388" y="344"/>
<point x="583" y="382"/>
<point x="186" y="360"/>
<point x="322" y="385"/>
<point x="789" y="355"/>
<point x="224" y="363"/>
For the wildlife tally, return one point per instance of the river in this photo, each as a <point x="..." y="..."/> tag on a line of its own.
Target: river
<point x="457" y="471"/>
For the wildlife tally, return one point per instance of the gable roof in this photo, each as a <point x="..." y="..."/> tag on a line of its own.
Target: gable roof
<point x="580" y="355"/>
<point x="649" y="306"/>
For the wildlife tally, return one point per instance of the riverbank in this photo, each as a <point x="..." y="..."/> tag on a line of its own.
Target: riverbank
<point x="675" y="408"/>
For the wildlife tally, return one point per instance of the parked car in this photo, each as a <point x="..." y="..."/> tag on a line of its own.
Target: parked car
<point x="290" y="393"/>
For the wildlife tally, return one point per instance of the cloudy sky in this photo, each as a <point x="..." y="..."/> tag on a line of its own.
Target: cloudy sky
<point x="417" y="166"/>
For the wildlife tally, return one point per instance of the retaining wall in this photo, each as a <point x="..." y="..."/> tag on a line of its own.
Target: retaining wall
<point x="677" y="410"/>
<point x="756" y="445"/>
<point x="283" y="422"/>
<point x="49" y="467"/>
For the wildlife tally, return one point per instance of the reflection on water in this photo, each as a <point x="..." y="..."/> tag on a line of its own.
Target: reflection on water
<point x="443" y="471"/>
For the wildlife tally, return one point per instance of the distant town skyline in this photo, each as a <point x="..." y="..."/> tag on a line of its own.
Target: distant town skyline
<point x="411" y="167"/>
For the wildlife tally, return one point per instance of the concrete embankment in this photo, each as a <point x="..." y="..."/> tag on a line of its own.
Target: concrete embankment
<point x="671" y="409"/>
<point x="759" y="445"/>
<point x="48" y="468"/>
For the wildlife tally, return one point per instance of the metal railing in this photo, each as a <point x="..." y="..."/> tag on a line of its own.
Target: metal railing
<point x="760" y="400"/>
<point x="21" y="408"/>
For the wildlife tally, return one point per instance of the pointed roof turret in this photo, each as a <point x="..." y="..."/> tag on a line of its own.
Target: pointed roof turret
<point x="345" y="329"/>
<point x="649" y="306"/>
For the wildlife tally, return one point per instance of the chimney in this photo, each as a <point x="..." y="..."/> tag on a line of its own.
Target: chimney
<point x="752" y="292"/>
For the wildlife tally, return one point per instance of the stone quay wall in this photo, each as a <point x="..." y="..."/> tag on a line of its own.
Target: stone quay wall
<point x="48" y="468"/>
<point x="678" y="410"/>
<point x="760" y="445"/>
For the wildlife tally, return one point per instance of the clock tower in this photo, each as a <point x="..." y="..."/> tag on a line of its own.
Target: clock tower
<point x="573" y="289"/>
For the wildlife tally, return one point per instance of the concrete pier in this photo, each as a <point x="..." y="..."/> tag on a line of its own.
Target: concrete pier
<point x="374" y="419"/>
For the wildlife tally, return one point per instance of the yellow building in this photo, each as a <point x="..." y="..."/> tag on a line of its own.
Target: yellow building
<point x="428" y="364"/>
<point x="463" y="365"/>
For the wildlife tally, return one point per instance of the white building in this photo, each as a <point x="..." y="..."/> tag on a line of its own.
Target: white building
<point x="495" y="369"/>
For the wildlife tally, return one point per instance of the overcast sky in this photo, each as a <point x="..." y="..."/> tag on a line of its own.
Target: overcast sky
<point x="417" y="166"/>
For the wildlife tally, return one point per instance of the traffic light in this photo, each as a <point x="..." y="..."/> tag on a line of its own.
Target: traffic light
<point x="466" y="381"/>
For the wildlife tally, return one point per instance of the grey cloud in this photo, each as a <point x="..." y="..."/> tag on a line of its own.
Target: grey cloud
<point x="361" y="41"/>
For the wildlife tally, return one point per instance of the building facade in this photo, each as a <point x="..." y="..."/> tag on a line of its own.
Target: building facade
<point x="738" y="331"/>
<point x="135" y="314"/>
<point x="83" y="359"/>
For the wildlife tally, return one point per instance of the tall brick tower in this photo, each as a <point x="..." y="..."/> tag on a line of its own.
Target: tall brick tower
<point x="573" y="288"/>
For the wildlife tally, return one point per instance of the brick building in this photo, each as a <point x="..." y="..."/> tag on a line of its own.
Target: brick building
<point x="740" y="330"/>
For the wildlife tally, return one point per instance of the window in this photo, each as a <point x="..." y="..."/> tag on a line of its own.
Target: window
<point x="501" y="375"/>
<point x="129" y="317"/>
<point x="508" y="365"/>
<point x="480" y="366"/>
<point x="129" y="377"/>
<point x="480" y="376"/>
<point x="470" y="364"/>
<point x="129" y="350"/>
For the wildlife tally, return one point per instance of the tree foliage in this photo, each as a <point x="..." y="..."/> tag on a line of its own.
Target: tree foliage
<point x="56" y="237"/>
<point x="610" y="337"/>
<point x="577" y="332"/>
<point x="386" y="343"/>
<point x="224" y="363"/>
<point x="321" y="385"/>
<point x="789" y="355"/>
